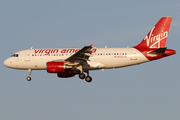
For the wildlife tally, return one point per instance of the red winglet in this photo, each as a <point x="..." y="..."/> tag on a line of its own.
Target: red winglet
<point x="93" y="45"/>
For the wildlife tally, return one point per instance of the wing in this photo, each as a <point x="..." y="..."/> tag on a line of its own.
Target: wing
<point x="82" y="55"/>
<point x="80" y="60"/>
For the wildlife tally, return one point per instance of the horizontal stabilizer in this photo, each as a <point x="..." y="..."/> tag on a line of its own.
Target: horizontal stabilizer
<point x="158" y="51"/>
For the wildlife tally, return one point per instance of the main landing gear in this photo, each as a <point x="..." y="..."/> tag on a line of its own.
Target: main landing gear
<point x="87" y="78"/>
<point x="29" y="77"/>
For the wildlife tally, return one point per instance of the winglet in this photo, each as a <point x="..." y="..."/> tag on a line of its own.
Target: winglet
<point x="93" y="45"/>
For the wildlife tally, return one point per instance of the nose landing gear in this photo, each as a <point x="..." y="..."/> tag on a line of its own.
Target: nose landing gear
<point x="29" y="77"/>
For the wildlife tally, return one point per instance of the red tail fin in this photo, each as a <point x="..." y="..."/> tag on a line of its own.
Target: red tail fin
<point x="156" y="38"/>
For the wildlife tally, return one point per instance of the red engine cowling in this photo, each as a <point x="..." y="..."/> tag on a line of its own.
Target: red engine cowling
<point x="66" y="73"/>
<point x="55" y="67"/>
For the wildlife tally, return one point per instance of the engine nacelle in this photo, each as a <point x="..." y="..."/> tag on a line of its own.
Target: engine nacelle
<point x="66" y="73"/>
<point x="55" y="67"/>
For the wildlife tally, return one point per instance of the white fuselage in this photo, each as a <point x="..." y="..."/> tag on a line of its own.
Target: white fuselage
<point x="105" y="58"/>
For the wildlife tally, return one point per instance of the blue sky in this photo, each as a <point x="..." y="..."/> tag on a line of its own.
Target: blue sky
<point x="149" y="91"/>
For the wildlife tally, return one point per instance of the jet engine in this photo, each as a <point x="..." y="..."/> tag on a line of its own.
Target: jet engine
<point x="55" y="67"/>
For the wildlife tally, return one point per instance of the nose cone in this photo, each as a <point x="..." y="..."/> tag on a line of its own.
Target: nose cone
<point x="7" y="63"/>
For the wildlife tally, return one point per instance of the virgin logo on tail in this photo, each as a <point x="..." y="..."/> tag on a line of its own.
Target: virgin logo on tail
<point x="156" y="38"/>
<point x="154" y="41"/>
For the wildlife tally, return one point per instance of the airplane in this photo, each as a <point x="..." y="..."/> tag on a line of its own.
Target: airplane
<point x="68" y="62"/>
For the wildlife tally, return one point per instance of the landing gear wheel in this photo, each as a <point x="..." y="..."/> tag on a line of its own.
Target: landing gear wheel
<point x="81" y="75"/>
<point x="29" y="72"/>
<point x="28" y="78"/>
<point x="88" y="79"/>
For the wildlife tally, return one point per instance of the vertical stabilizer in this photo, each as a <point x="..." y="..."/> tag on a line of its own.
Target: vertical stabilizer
<point x="156" y="38"/>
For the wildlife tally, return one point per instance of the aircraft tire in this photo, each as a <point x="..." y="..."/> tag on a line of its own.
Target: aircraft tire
<point x="81" y="75"/>
<point x="28" y="78"/>
<point x="88" y="79"/>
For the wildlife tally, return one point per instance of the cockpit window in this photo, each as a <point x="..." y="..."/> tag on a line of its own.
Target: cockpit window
<point x="15" y="55"/>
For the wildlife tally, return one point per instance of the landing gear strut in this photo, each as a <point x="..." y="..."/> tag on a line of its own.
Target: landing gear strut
<point x="29" y="77"/>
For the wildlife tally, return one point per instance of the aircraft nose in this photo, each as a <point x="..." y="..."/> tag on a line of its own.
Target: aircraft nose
<point x="7" y="62"/>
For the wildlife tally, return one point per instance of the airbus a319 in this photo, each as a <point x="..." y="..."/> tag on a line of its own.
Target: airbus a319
<point x="68" y="62"/>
